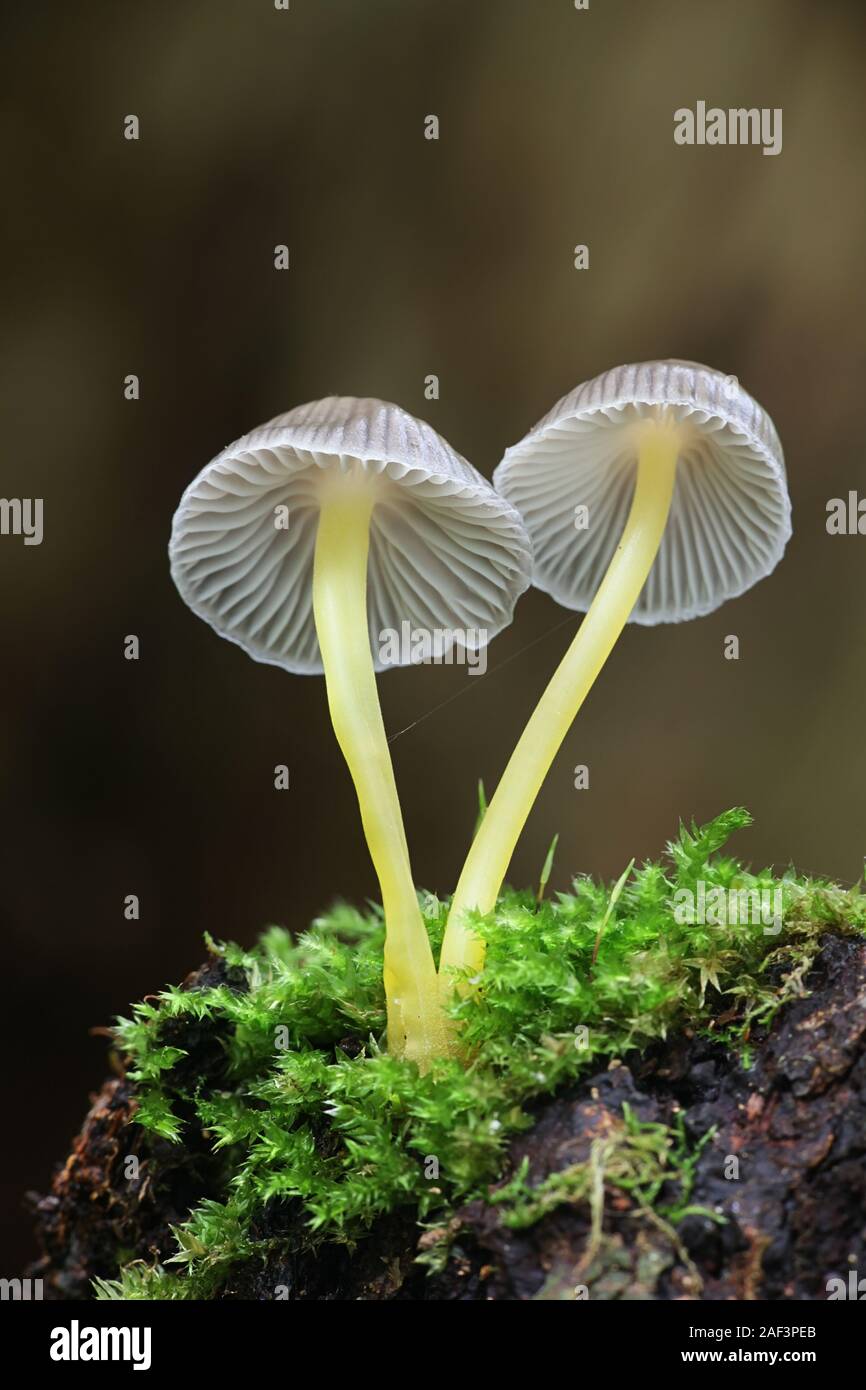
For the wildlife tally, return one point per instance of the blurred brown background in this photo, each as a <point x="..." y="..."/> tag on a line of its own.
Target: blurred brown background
<point x="408" y="257"/>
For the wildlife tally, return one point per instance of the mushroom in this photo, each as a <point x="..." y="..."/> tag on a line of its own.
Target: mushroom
<point x="304" y="542"/>
<point x="652" y="494"/>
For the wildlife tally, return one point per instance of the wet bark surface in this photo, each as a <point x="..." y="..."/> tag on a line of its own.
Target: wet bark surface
<point x="782" y="1182"/>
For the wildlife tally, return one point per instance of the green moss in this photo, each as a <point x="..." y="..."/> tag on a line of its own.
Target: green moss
<point x="319" y="1124"/>
<point x="642" y="1158"/>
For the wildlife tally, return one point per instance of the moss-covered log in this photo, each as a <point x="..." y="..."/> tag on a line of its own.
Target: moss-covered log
<point x="649" y="1107"/>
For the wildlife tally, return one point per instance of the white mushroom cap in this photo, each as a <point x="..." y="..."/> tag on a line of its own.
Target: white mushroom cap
<point x="446" y="551"/>
<point x="730" y="517"/>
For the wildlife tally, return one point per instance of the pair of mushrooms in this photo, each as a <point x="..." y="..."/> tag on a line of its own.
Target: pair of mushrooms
<point x="309" y="537"/>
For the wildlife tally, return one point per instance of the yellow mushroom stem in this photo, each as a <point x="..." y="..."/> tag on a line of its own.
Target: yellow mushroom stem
<point x="415" y="1025"/>
<point x="658" y="445"/>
